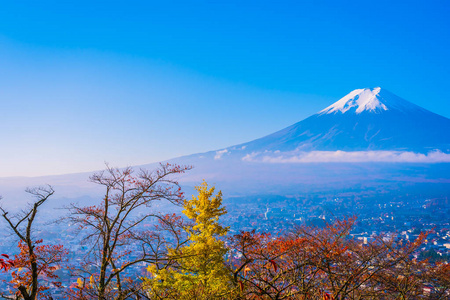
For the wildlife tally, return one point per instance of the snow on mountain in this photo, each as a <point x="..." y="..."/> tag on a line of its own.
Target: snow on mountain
<point x="369" y="100"/>
<point x="359" y="100"/>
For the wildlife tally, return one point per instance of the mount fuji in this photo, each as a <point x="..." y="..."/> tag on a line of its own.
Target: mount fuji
<point x="370" y="138"/>
<point x="367" y="125"/>
<point x="363" y="120"/>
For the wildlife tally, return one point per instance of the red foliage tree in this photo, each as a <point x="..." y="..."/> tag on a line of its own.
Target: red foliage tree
<point x="36" y="260"/>
<point x="316" y="263"/>
<point x="117" y="222"/>
<point x="48" y="259"/>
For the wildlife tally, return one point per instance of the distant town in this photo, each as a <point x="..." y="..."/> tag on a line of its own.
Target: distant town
<point x="403" y="216"/>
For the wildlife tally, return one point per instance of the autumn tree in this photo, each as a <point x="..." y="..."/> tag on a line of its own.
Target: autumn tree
<point x="270" y="267"/>
<point x="349" y="268"/>
<point x="125" y="230"/>
<point x="198" y="270"/>
<point x="325" y="263"/>
<point x="35" y="260"/>
<point x="49" y="259"/>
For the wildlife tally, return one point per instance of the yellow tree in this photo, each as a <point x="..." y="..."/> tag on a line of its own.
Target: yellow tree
<point x="198" y="270"/>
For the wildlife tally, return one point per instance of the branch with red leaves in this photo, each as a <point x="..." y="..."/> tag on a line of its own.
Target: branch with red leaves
<point x="126" y="216"/>
<point x="5" y="262"/>
<point x="33" y="260"/>
<point x="327" y="263"/>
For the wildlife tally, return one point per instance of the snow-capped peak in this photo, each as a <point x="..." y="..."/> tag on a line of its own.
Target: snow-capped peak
<point x="358" y="101"/>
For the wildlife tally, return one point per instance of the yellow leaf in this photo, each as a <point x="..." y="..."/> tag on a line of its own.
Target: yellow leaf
<point x="91" y="280"/>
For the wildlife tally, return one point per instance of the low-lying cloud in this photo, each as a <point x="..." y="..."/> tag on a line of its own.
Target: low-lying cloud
<point x="347" y="156"/>
<point x="220" y="153"/>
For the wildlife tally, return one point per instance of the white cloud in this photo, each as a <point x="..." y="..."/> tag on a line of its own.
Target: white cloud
<point x="343" y="156"/>
<point x="220" y="153"/>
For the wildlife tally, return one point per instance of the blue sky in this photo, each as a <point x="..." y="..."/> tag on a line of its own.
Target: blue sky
<point x="134" y="82"/>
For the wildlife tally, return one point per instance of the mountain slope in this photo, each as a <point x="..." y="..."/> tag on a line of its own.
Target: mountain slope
<point x="365" y="119"/>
